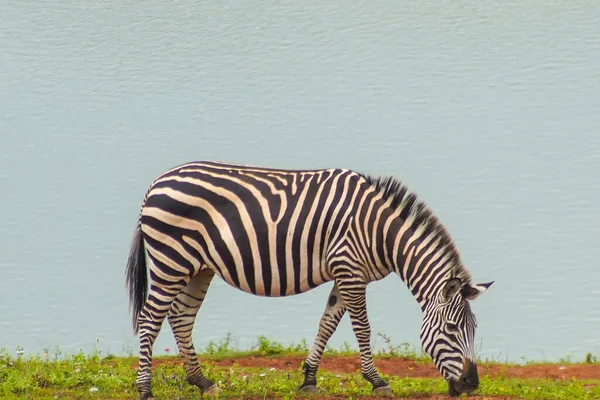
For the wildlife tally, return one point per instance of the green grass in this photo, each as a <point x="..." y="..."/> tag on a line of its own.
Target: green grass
<point x="80" y="376"/>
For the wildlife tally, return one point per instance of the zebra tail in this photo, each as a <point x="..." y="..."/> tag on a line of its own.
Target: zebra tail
<point x="136" y="276"/>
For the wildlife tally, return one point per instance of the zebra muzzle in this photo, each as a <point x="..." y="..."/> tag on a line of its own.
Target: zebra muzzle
<point x="468" y="381"/>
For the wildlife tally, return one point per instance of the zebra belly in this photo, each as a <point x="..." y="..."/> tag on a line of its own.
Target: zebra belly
<point x="270" y="268"/>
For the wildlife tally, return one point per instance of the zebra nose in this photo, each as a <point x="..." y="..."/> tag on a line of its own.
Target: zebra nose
<point x="469" y="377"/>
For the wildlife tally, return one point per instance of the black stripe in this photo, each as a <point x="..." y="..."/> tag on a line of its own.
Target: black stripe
<point x="307" y="184"/>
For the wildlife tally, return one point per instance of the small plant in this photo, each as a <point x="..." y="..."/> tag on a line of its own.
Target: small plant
<point x="222" y="347"/>
<point x="57" y="353"/>
<point x="590" y="359"/>
<point x="566" y="359"/>
<point x="268" y="347"/>
<point x="344" y="350"/>
<point x="302" y="347"/>
<point x="404" y="350"/>
<point x="19" y="351"/>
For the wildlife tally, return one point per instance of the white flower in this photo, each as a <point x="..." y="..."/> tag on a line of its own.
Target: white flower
<point x="93" y="389"/>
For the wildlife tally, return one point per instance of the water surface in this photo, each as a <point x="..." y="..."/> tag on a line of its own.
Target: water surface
<point x="488" y="111"/>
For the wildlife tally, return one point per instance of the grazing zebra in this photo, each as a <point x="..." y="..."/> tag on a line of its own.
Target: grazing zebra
<point x="273" y="232"/>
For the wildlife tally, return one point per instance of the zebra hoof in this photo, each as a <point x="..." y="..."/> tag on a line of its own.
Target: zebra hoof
<point x="382" y="391"/>
<point x="211" y="391"/>
<point x="308" y="389"/>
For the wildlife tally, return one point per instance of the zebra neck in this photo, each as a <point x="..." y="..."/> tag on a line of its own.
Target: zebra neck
<point x="421" y="264"/>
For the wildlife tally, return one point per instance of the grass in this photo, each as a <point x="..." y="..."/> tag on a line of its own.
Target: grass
<point x="80" y="376"/>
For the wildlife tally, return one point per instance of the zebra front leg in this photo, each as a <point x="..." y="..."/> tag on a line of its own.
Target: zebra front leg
<point x="181" y="318"/>
<point x="150" y="320"/>
<point x="329" y="322"/>
<point x="353" y="293"/>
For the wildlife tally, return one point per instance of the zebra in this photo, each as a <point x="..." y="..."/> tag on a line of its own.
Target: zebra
<point x="281" y="232"/>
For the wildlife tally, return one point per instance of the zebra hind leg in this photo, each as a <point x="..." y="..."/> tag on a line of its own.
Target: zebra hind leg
<point x="150" y="320"/>
<point x="334" y="311"/>
<point x="353" y="294"/>
<point x="181" y="318"/>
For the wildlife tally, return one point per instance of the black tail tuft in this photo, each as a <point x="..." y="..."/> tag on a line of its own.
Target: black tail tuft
<point x="137" y="278"/>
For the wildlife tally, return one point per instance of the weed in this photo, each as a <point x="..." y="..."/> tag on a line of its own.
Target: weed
<point x="221" y="348"/>
<point x="402" y="350"/>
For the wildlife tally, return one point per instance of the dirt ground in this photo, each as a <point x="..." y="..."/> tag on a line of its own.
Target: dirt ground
<point x="410" y="368"/>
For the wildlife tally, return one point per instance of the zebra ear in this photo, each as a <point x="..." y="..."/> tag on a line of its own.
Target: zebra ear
<point x="471" y="292"/>
<point x="451" y="288"/>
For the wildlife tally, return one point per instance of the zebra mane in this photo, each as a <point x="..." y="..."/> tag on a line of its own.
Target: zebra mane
<point x="408" y="204"/>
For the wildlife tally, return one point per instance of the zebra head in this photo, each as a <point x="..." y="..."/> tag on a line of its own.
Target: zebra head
<point x="448" y="334"/>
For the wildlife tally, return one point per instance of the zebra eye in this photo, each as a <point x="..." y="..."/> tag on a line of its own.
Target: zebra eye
<point x="451" y="327"/>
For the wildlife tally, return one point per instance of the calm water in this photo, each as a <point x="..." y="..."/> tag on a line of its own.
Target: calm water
<point x="489" y="112"/>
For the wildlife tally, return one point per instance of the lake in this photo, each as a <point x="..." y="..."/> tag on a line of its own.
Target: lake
<point x="490" y="112"/>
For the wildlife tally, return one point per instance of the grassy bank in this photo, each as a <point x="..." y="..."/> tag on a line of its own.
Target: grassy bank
<point x="271" y="370"/>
